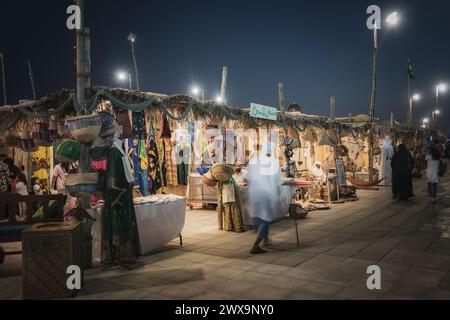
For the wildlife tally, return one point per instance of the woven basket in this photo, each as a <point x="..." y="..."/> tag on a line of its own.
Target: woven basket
<point x="68" y="151"/>
<point x="84" y="128"/>
<point x="82" y="183"/>
<point x="208" y="179"/>
<point x="222" y="172"/>
<point x="109" y="124"/>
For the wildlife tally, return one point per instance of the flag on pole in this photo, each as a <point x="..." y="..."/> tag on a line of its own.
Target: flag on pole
<point x="411" y="74"/>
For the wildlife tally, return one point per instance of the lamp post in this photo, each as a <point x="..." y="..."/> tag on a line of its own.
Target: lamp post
<point x="3" y="78"/>
<point x="122" y="76"/>
<point x="414" y="98"/>
<point x="434" y="117"/>
<point x="132" y="38"/>
<point x="392" y="20"/>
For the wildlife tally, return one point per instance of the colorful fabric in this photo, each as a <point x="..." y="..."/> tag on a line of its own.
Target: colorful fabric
<point x="119" y="227"/>
<point x="233" y="220"/>
<point x="143" y="175"/>
<point x="155" y="176"/>
<point x="133" y="156"/>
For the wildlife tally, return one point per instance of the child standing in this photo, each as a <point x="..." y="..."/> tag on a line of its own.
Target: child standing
<point x="433" y="161"/>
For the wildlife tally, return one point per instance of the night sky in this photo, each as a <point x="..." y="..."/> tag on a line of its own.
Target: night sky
<point x="316" y="48"/>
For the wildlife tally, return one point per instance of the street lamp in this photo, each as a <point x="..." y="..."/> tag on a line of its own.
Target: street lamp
<point x="132" y="38"/>
<point x="392" y="20"/>
<point x="219" y="100"/>
<point x="434" y="116"/>
<point x="413" y="98"/>
<point x="123" y="76"/>
<point x="198" y="92"/>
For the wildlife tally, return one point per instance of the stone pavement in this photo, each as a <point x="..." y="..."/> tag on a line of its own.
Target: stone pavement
<point x="410" y="241"/>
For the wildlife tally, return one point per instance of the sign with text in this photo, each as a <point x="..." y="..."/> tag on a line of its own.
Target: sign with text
<point x="340" y="168"/>
<point x="263" y="112"/>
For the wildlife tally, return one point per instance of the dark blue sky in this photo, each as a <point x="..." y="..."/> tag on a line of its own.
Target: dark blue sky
<point x="316" y="48"/>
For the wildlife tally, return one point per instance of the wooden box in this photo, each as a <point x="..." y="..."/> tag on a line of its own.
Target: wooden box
<point x="48" y="250"/>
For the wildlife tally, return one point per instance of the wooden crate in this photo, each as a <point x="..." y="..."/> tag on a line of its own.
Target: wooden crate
<point x="48" y="250"/>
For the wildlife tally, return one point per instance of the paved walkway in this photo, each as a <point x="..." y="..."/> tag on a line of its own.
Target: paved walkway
<point x="409" y="241"/>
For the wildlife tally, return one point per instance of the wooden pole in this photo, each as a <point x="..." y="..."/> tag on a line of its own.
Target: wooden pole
<point x="223" y="88"/>
<point x="392" y="120"/>
<point x="80" y="58"/>
<point x="132" y="38"/>
<point x="373" y="103"/>
<point x="30" y="74"/>
<point x="3" y="78"/>
<point x="281" y="98"/>
<point x="332" y="108"/>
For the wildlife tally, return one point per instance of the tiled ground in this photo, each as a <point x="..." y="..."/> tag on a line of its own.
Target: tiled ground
<point x="409" y="241"/>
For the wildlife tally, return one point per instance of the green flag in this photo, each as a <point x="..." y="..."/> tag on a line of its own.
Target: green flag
<point x="411" y="74"/>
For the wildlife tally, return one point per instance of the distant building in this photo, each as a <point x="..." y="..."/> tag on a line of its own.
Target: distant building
<point x="295" y="108"/>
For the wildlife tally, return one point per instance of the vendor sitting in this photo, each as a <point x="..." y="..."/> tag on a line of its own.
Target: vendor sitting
<point x="318" y="173"/>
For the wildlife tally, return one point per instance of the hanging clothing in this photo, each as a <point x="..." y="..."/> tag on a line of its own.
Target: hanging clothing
<point x="385" y="168"/>
<point x="143" y="169"/>
<point x="133" y="156"/>
<point x="233" y="220"/>
<point x="183" y="156"/>
<point x="156" y="181"/>
<point x="119" y="229"/>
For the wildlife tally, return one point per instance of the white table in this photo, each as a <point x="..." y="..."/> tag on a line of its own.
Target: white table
<point x="158" y="223"/>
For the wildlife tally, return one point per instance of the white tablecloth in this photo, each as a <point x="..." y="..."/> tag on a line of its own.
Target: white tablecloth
<point x="284" y="203"/>
<point x="161" y="222"/>
<point x="158" y="223"/>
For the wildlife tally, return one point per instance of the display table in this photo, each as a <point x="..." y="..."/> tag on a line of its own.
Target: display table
<point x="198" y="192"/>
<point x="284" y="202"/>
<point x="160" y="219"/>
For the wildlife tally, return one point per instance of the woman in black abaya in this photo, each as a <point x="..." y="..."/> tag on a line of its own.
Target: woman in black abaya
<point x="402" y="167"/>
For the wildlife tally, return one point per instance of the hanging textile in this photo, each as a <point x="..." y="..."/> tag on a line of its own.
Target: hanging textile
<point x="143" y="169"/>
<point x="183" y="156"/>
<point x="133" y="155"/>
<point x="139" y="126"/>
<point x="233" y="220"/>
<point x="119" y="229"/>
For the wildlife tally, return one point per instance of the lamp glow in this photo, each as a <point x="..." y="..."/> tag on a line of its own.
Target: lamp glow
<point x="393" y="19"/>
<point x="442" y="87"/>
<point x="426" y="120"/>
<point x="438" y="112"/>
<point x="195" y="91"/>
<point x="219" y="99"/>
<point x="416" y="97"/>
<point x="121" y="76"/>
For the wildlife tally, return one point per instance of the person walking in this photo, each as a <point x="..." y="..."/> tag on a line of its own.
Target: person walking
<point x="433" y="162"/>
<point x="402" y="167"/>
<point x="264" y="183"/>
